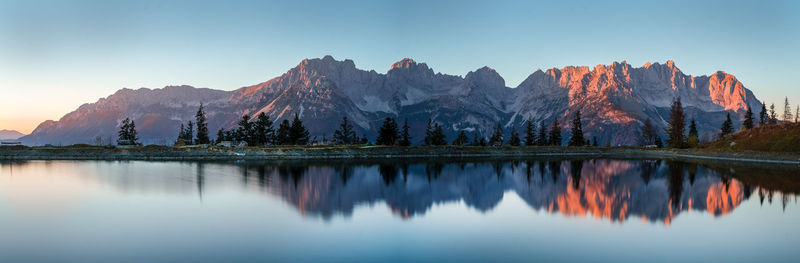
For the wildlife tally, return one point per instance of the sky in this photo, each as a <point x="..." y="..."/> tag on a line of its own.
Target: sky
<point x="58" y="55"/>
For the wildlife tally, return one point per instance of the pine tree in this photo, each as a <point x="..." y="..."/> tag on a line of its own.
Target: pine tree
<point x="189" y="136"/>
<point x="659" y="143"/>
<point x="220" y="135"/>
<point x="773" y="117"/>
<point x="438" y="137"/>
<point x="787" y="110"/>
<point x="355" y="139"/>
<point x="133" y="135"/>
<point x="763" y="117"/>
<point x="727" y="127"/>
<point x="748" y="119"/>
<point x="461" y="139"/>
<point x="263" y="132"/>
<point x="555" y="133"/>
<point x="122" y="135"/>
<point x="530" y="133"/>
<point x="475" y="140"/>
<point x="797" y="113"/>
<point x="429" y="132"/>
<point x="577" y="131"/>
<point x="202" y="127"/>
<point x="514" y="140"/>
<point x="676" y="125"/>
<point x="594" y="141"/>
<point x="298" y="134"/>
<point x="364" y="139"/>
<point x="388" y="133"/>
<point x="541" y="140"/>
<point x="648" y="133"/>
<point x="405" y="137"/>
<point x="497" y="136"/>
<point x="345" y="133"/>
<point x="181" y="136"/>
<point x="283" y="135"/>
<point x="244" y="132"/>
<point x="694" y="137"/>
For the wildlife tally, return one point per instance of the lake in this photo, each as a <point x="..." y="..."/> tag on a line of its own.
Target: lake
<point x="491" y="210"/>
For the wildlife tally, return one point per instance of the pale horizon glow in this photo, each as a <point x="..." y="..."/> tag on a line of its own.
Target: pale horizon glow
<point x="58" y="55"/>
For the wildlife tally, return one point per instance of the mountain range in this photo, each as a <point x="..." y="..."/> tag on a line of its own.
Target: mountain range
<point x="614" y="100"/>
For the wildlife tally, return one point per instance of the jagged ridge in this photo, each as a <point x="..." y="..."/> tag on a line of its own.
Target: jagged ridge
<point x="614" y="99"/>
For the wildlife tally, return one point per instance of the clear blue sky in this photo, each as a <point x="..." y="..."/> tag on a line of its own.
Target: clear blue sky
<point x="57" y="55"/>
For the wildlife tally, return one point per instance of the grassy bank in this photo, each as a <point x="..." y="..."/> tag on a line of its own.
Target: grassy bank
<point x="782" y="138"/>
<point x="87" y="152"/>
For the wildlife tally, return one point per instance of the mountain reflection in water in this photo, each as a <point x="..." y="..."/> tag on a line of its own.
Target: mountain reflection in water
<point x="616" y="190"/>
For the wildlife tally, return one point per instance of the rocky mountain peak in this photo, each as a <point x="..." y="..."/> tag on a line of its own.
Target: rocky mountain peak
<point x="486" y="77"/>
<point x="404" y="63"/>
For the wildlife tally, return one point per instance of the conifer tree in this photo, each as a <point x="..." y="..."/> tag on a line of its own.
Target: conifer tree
<point x="345" y="133"/>
<point x="181" y="136"/>
<point x="202" y="127"/>
<point x="773" y="117"/>
<point x="298" y="134"/>
<point x="763" y="117"/>
<point x="364" y="139"/>
<point x="514" y="140"/>
<point x="388" y="133"/>
<point x="438" y="137"/>
<point x="676" y="126"/>
<point x="797" y="113"/>
<point x="122" y="135"/>
<point x="787" y="110"/>
<point x="244" y="132"/>
<point x="133" y="135"/>
<point x="429" y="132"/>
<point x="748" y="119"/>
<point x="475" y="140"/>
<point x="694" y="138"/>
<point x="594" y="141"/>
<point x="220" y="135"/>
<point x="530" y="133"/>
<point x="189" y="136"/>
<point x="555" y="133"/>
<point x="541" y="140"/>
<point x="127" y="134"/>
<point x="461" y="139"/>
<point x="355" y="139"/>
<point x="283" y="134"/>
<point x="577" y="131"/>
<point x="727" y="127"/>
<point x="497" y="136"/>
<point x="405" y="136"/>
<point x="263" y="132"/>
<point x="648" y="133"/>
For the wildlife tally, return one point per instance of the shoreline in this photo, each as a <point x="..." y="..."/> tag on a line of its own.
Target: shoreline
<point x="195" y="153"/>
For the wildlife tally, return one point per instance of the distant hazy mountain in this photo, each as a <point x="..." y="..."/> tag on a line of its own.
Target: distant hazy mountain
<point x="614" y="100"/>
<point x="10" y="135"/>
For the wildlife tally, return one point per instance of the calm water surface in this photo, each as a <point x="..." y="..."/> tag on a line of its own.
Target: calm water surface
<point x="385" y="211"/>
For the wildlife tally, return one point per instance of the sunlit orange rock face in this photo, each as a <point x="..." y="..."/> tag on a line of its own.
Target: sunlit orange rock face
<point x="608" y="190"/>
<point x="722" y="199"/>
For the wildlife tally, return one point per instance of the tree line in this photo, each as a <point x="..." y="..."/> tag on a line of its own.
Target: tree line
<point x="676" y="125"/>
<point x="259" y="131"/>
